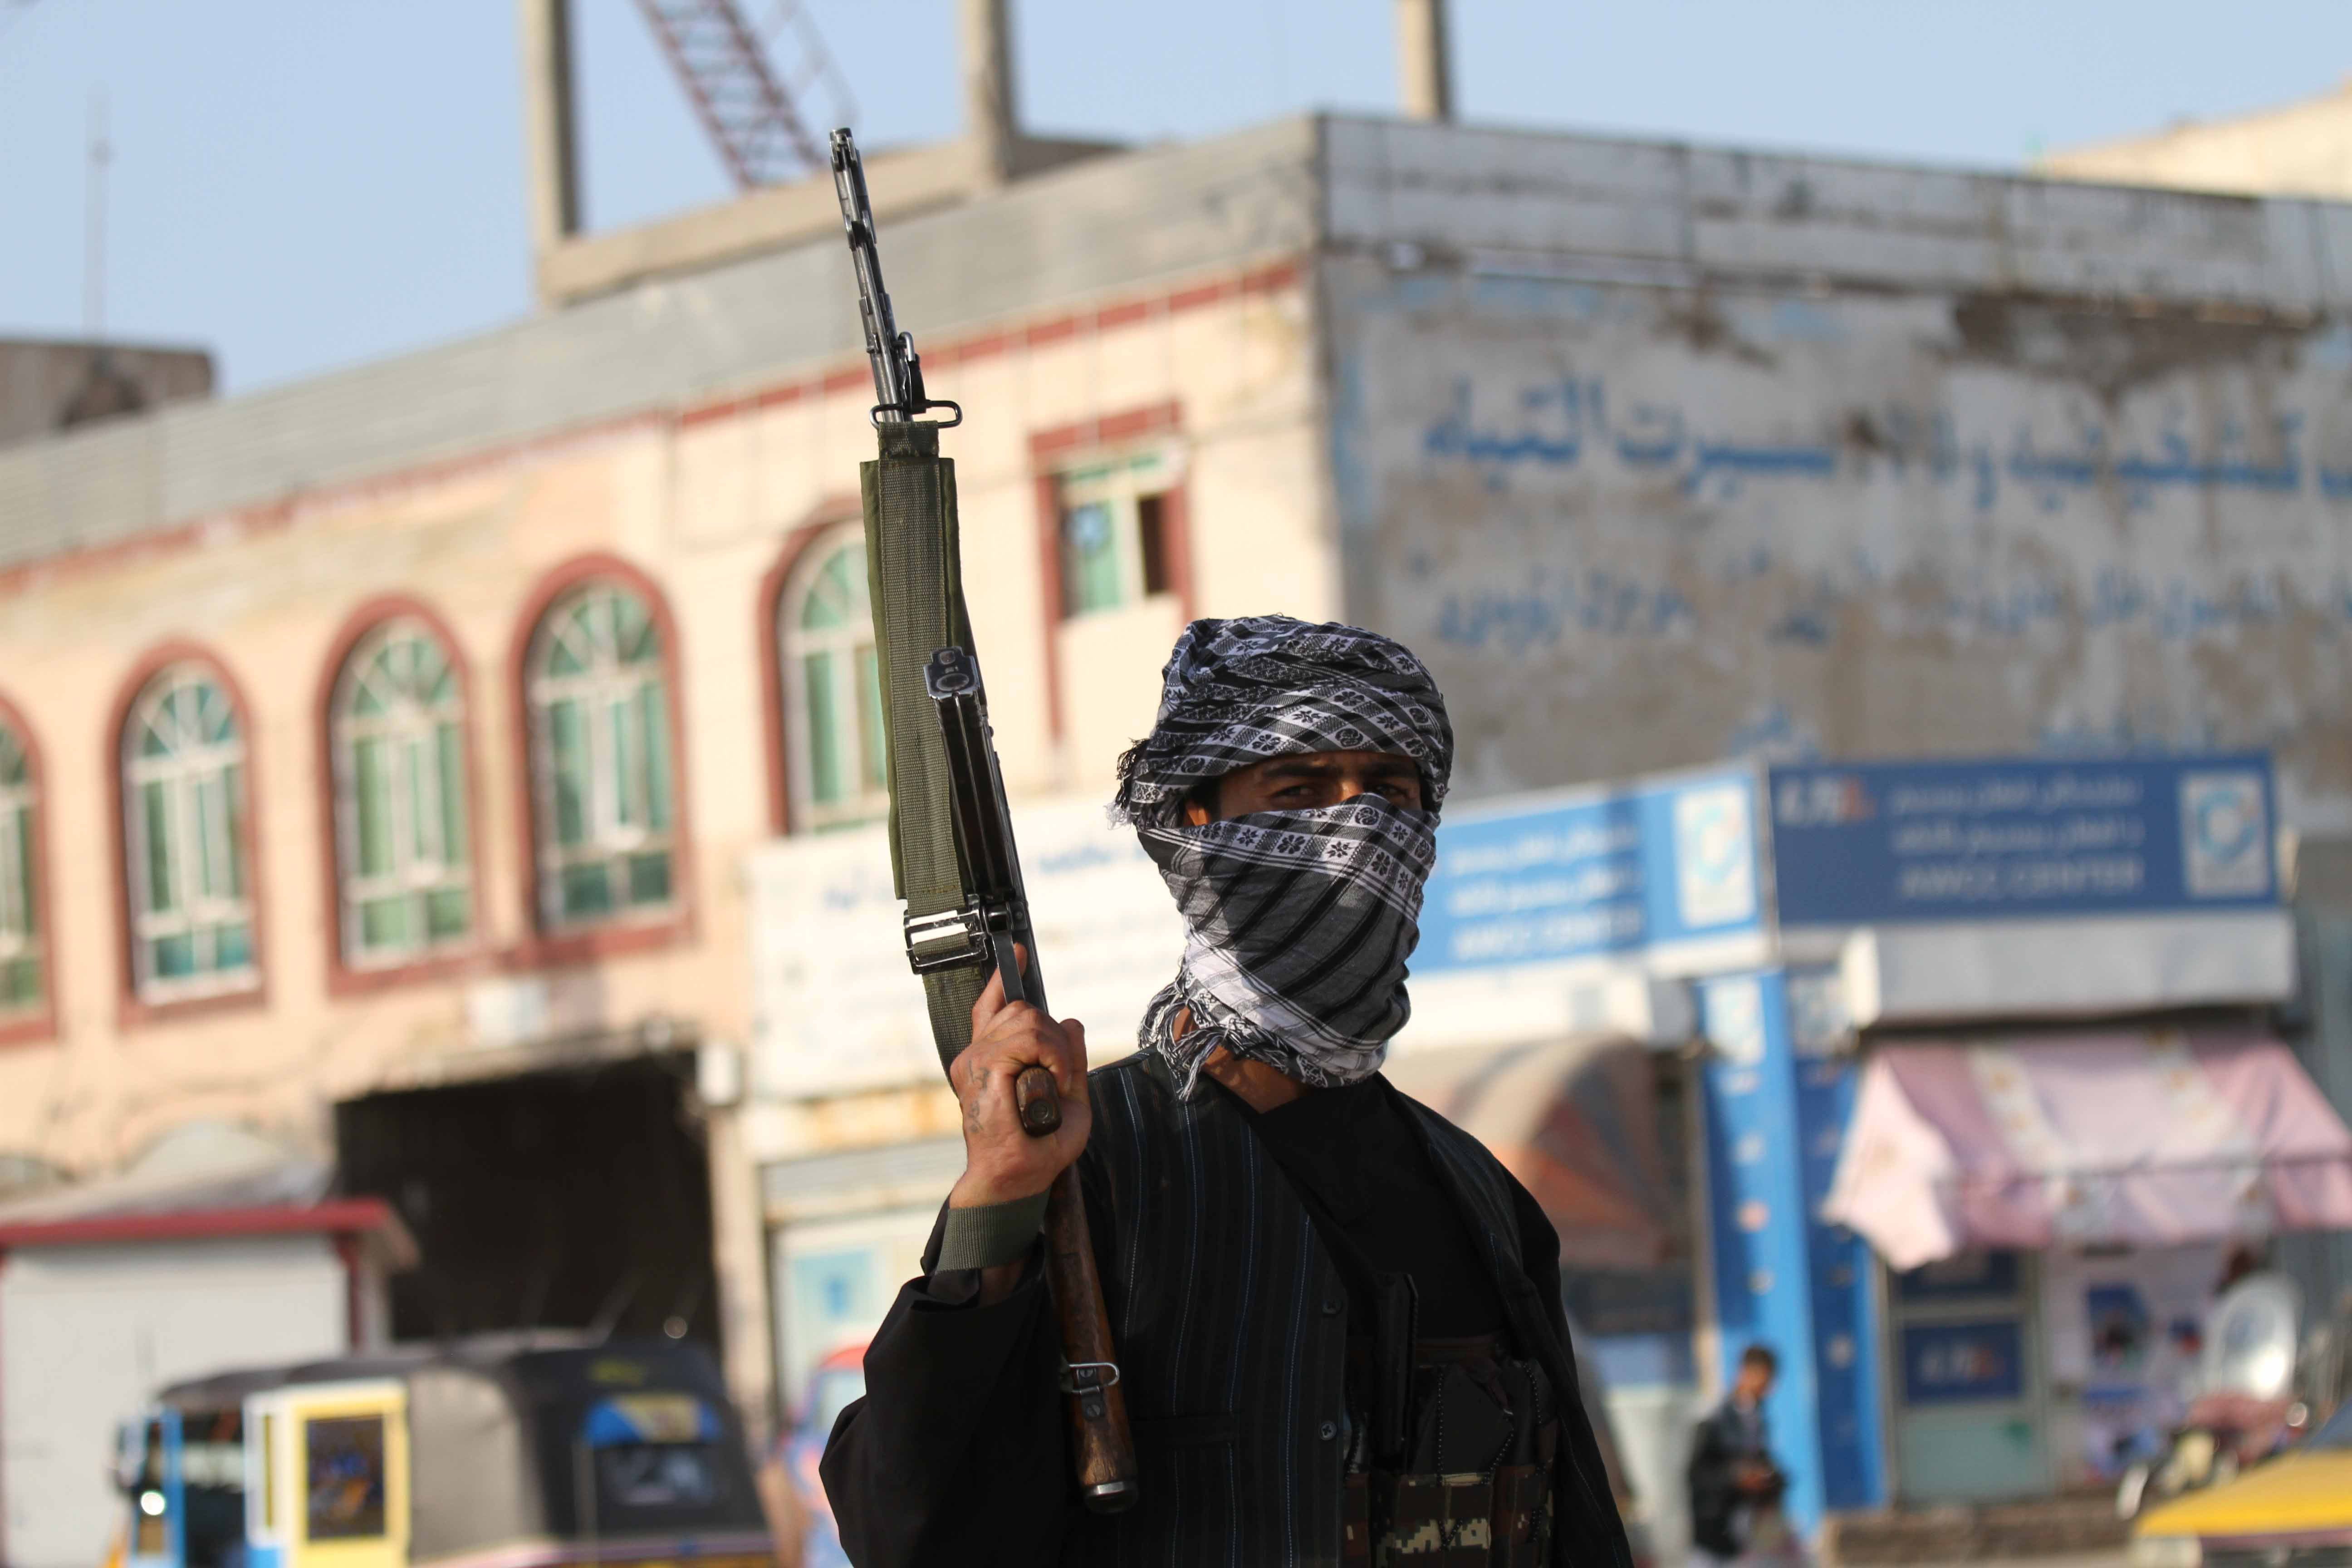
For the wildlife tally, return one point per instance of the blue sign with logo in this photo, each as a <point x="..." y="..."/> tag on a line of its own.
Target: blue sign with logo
<point x="1598" y="872"/>
<point x="1963" y="1363"/>
<point x="1870" y="843"/>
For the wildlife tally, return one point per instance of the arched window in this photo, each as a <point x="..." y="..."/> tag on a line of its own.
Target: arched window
<point x="184" y="806"/>
<point x="600" y="755"/>
<point x="401" y="834"/>
<point x="20" y="927"/>
<point x="832" y="688"/>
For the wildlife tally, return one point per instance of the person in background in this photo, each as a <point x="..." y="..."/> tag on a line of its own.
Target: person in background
<point x="1735" y="1487"/>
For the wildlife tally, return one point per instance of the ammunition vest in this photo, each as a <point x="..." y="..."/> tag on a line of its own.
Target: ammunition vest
<point x="1231" y="1320"/>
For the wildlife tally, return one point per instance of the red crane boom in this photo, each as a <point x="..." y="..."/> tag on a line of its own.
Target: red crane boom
<point x="748" y="107"/>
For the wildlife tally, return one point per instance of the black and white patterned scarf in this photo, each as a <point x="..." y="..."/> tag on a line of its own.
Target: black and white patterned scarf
<point x="1297" y="923"/>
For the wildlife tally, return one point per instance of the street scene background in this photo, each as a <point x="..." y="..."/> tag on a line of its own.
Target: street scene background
<point x="1873" y="484"/>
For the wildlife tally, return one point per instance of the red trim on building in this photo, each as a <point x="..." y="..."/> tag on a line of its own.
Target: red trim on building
<point x="1176" y="535"/>
<point x="3" y="1408"/>
<point x="1062" y="446"/>
<point x="542" y="948"/>
<point x="343" y="979"/>
<point x="337" y="1217"/>
<point x="1078" y="438"/>
<point x="269" y="516"/>
<point x="353" y="1257"/>
<point x="259" y="516"/>
<point x="40" y="1024"/>
<point x="828" y="514"/>
<point x="132" y="1010"/>
<point x="1048" y="487"/>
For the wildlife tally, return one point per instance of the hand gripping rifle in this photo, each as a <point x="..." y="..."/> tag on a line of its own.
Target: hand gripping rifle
<point x="950" y="835"/>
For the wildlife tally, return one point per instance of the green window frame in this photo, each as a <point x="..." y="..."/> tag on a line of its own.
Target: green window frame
<point x="602" y="772"/>
<point x="1112" y="520"/>
<point x="402" y="837"/>
<point x="21" y="977"/>
<point x="832" y="688"/>
<point x="185" y="828"/>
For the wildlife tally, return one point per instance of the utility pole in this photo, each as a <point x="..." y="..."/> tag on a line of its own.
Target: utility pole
<point x="990" y="108"/>
<point x="1424" y="60"/>
<point x="548" y="126"/>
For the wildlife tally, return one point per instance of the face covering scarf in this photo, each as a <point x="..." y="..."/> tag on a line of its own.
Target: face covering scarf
<point x="1297" y="923"/>
<point x="1297" y="926"/>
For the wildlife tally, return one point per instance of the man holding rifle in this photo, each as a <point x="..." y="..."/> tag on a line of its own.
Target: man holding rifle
<point x="1337" y="1319"/>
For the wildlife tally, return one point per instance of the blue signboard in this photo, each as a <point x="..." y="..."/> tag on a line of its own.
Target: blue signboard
<point x="1963" y="1363"/>
<point x="1871" y="843"/>
<point x="1969" y="1276"/>
<point x="1600" y="873"/>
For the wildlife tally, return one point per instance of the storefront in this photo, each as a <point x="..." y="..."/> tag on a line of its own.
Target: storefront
<point x="216" y="1247"/>
<point x="2053" y="1203"/>
<point x="1976" y="1229"/>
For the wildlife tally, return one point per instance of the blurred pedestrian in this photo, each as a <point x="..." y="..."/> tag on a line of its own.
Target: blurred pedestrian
<point x="1735" y="1485"/>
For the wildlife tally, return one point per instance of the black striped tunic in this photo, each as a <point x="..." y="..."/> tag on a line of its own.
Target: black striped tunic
<point x="1232" y="1326"/>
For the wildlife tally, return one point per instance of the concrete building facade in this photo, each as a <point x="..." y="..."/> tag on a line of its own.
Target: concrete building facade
<point x="425" y="726"/>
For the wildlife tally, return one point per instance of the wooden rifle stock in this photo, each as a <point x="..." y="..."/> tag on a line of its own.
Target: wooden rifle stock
<point x="1102" y="1447"/>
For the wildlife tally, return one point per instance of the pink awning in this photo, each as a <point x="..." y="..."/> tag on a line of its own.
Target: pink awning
<point x="2147" y="1138"/>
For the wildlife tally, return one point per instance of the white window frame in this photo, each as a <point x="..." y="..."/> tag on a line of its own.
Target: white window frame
<point x="201" y="913"/>
<point x="794" y="644"/>
<point x="611" y="838"/>
<point x="407" y="723"/>
<point x="20" y="889"/>
<point x="1111" y="478"/>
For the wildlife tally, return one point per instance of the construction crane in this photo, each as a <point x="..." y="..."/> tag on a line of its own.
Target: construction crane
<point x="749" y="86"/>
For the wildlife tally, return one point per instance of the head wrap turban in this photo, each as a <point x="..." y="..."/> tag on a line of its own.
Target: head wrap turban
<point x="1297" y="922"/>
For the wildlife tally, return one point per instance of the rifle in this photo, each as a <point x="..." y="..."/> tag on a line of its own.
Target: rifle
<point x="951" y="848"/>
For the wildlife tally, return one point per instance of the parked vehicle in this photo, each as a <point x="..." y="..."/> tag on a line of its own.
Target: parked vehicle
<point x="522" y="1451"/>
<point x="2250" y="1401"/>
<point x="2294" y="1512"/>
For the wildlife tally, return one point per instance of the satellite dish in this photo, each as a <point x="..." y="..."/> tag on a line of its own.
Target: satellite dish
<point x="2250" y="1347"/>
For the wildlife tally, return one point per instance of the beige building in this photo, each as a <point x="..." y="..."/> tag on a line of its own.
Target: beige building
<point x="397" y="740"/>
<point x="2299" y="149"/>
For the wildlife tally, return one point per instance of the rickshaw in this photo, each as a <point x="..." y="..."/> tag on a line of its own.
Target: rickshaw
<point x="495" y="1452"/>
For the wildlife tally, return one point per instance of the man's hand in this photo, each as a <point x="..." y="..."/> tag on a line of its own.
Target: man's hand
<point x="1001" y="1160"/>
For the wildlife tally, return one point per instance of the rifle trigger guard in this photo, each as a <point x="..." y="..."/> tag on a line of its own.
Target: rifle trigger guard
<point x="1098" y="1367"/>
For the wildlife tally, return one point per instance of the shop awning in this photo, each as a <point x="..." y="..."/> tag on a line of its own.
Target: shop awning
<point x="1576" y="1120"/>
<point x="205" y="1181"/>
<point x="2145" y="1137"/>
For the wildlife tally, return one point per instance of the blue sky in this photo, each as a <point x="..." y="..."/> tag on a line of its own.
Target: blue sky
<point x="303" y="184"/>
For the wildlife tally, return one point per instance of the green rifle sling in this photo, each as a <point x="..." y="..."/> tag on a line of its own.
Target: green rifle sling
<point x="915" y="577"/>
